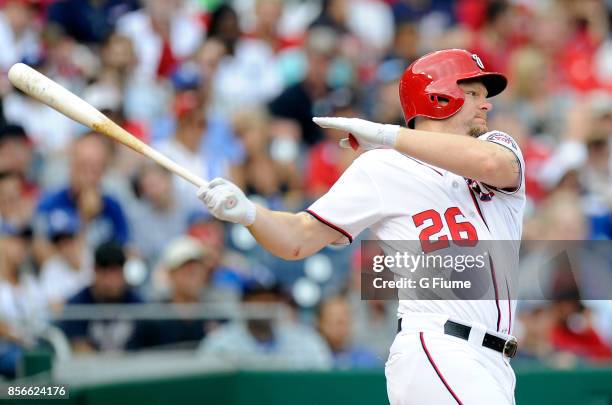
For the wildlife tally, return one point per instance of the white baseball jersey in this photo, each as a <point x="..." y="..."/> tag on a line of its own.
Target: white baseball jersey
<point x="401" y="198"/>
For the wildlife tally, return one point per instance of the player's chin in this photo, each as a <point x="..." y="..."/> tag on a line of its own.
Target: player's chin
<point x="477" y="130"/>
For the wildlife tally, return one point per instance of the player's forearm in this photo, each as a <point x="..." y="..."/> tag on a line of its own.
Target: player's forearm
<point x="463" y="155"/>
<point x="284" y="234"/>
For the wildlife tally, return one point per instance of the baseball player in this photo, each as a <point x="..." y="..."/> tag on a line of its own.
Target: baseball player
<point x="418" y="183"/>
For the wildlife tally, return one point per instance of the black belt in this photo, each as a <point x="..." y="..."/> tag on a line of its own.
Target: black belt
<point x="507" y="347"/>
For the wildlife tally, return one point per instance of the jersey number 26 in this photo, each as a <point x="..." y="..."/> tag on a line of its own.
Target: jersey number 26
<point x="462" y="233"/>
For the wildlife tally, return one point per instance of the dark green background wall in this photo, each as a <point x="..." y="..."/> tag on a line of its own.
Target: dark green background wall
<point x="584" y="387"/>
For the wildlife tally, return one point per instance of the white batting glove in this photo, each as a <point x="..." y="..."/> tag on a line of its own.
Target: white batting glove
<point x="365" y="134"/>
<point x="227" y="202"/>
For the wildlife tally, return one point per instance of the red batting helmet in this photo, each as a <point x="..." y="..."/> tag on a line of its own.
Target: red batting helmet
<point x="435" y="76"/>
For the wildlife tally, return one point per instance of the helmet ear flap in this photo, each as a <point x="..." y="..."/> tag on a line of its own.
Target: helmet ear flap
<point x="444" y="105"/>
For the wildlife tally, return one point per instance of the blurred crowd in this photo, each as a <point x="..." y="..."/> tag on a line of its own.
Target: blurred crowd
<point x="228" y="89"/>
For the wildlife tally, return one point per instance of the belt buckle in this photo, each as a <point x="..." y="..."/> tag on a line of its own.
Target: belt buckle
<point x="510" y="347"/>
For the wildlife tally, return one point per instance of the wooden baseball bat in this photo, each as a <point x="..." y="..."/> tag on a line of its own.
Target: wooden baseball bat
<point x="45" y="90"/>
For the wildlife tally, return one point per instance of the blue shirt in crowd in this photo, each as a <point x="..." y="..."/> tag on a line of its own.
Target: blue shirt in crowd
<point x="110" y="224"/>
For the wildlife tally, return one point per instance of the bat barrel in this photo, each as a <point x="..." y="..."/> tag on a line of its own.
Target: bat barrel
<point x="45" y="90"/>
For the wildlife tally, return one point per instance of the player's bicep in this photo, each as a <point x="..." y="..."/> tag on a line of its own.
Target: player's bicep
<point x="510" y="169"/>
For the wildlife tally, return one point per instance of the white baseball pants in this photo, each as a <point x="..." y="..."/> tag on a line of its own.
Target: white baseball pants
<point x="426" y="366"/>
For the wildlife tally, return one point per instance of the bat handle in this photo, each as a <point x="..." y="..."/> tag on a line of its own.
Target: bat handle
<point x="165" y="161"/>
<point x="198" y="181"/>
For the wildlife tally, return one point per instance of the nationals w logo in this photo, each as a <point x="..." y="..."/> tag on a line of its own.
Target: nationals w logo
<point x="478" y="61"/>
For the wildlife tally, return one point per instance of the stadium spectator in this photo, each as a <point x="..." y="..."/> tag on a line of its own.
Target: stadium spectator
<point x="440" y="10"/>
<point x="163" y="33"/>
<point x="248" y="75"/>
<point x="135" y="99"/>
<point x="534" y="325"/>
<point x="535" y="98"/>
<point x="334" y="15"/>
<point x="325" y="161"/>
<point x="335" y="326"/>
<point x="225" y="27"/>
<point x="371" y="319"/>
<point x="187" y="272"/>
<point x="89" y="21"/>
<point x="123" y="162"/>
<point x="208" y="58"/>
<point x="118" y="58"/>
<point x="264" y="342"/>
<point x="101" y="215"/>
<point x="188" y="146"/>
<point x="51" y="133"/>
<point x="158" y="215"/>
<point x="108" y="287"/>
<point x="70" y="269"/>
<point x="231" y="270"/>
<point x="266" y="26"/>
<point x="405" y="44"/>
<point x="19" y="38"/>
<point x="16" y="208"/>
<point x="274" y="177"/>
<point x="494" y="41"/>
<point x="23" y="310"/>
<point x="596" y="175"/>
<point x="572" y="331"/>
<point x="17" y="155"/>
<point x="298" y="101"/>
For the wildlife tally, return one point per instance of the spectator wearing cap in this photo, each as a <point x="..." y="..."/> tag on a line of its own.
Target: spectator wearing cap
<point x="187" y="271"/>
<point x="230" y="269"/>
<point x="264" y="342"/>
<point x="193" y="259"/>
<point x="100" y="214"/>
<point x="22" y="304"/>
<point x="108" y="287"/>
<point x="70" y="269"/>
<point x="157" y="215"/>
